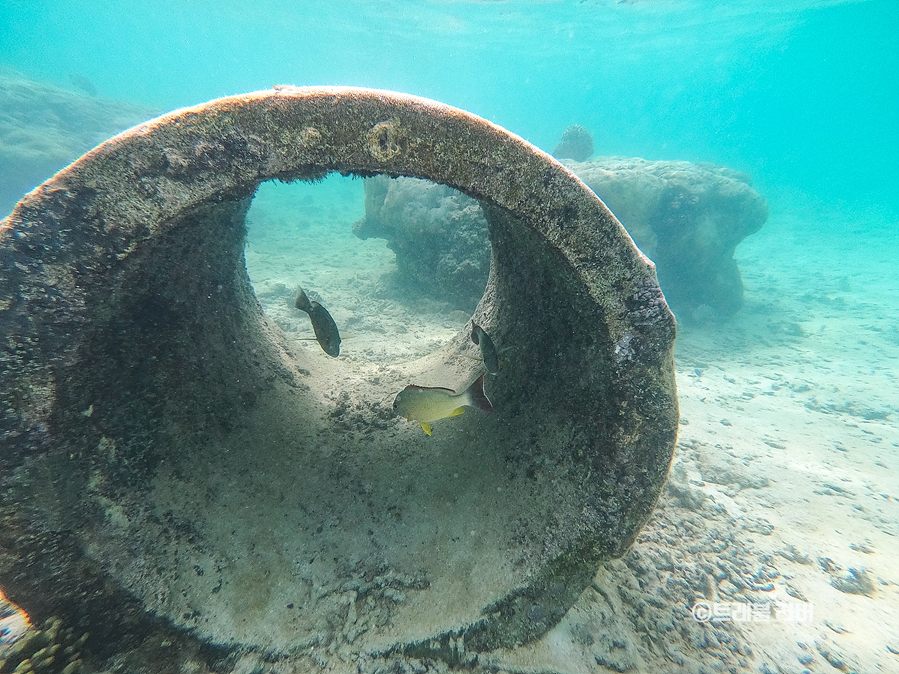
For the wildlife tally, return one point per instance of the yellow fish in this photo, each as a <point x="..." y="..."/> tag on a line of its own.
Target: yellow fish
<point x="430" y="403"/>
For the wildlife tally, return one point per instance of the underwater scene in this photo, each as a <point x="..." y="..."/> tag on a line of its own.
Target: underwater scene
<point x="507" y="336"/>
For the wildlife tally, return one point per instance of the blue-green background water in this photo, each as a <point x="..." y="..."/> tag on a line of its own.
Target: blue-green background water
<point x="803" y="95"/>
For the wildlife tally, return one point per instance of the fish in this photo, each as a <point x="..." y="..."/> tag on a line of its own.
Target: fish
<point x="489" y="353"/>
<point x="426" y="404"/>
<point x="324" y="327"/>
<point x="84" y="84"/>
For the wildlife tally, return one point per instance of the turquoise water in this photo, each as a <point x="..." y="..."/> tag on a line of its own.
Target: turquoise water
<point x="803" y="96"/>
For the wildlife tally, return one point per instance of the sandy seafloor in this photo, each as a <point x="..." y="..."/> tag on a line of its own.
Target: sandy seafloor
<point x="784" y="485"/>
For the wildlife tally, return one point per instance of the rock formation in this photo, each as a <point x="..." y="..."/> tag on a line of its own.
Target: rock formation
<point x="688" y="218"/>
<point x="576" y="144"/>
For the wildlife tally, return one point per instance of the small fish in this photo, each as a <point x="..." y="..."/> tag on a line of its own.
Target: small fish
<point x="426" y="404"/>
<point x="323" y="325"/>
<point x="488" y="349"/>
<point x="84" y="84"/>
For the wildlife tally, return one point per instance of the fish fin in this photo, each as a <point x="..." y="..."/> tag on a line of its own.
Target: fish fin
<point x="415" y="387"/>
<point x="426" y="427"/>
<point x="302" y="302"/>
<point x="475" y="337"/>
<point x="477" y="397"/>
<point x="456" y="412"/>
<point x="465" y="355"/>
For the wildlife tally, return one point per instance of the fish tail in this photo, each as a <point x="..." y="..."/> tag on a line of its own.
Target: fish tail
<point x="303" y="303"/>
<point x="477" y="397"/>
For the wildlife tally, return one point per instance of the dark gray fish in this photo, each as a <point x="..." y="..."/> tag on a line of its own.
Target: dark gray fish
<point x="488" y="349"/>
<point x="323" y="325"/>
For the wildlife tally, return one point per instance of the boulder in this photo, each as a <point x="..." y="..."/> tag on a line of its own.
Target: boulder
<point x="439" y="235"/>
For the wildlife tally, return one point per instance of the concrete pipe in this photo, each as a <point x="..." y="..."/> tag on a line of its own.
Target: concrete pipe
<point x="172" y="467"/>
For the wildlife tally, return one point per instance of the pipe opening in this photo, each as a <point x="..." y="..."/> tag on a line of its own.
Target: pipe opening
<point x="315" y="235"/>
